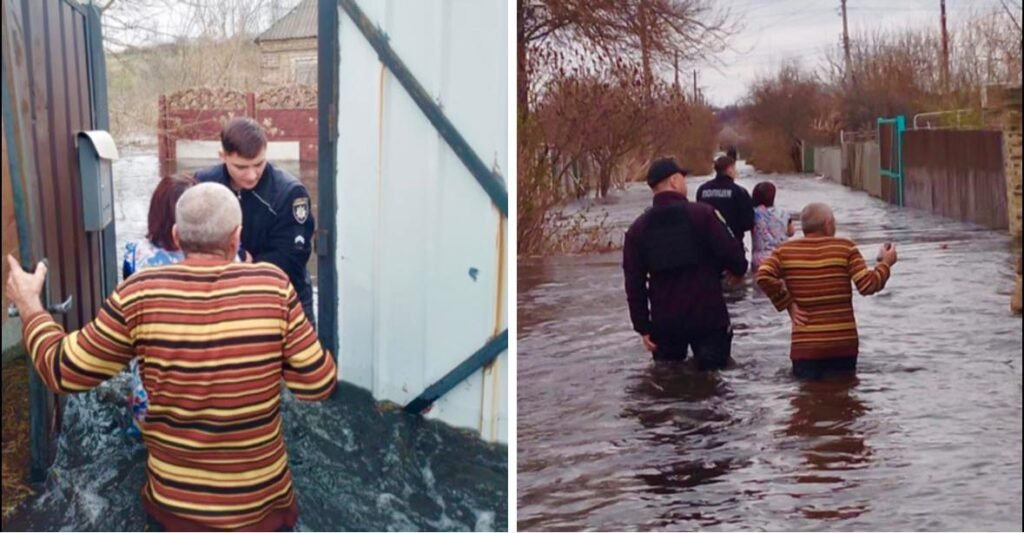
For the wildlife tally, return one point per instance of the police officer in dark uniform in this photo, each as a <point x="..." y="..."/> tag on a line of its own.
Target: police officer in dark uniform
<point x="728" y="198"/>
<point x="673" y="258"/>
<point x="277" y="217"/>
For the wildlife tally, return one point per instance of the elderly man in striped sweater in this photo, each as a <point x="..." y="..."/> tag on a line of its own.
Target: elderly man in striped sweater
<point x="811" y="278"/>
<point x="214" y="339"/>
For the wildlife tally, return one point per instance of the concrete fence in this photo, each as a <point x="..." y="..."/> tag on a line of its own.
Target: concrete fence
<point x="828" y="161"/>
<point x="861" y="164"/>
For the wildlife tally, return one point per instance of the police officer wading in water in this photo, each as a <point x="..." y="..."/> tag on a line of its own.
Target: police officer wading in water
<point x="277" y="218"/>
<point x="728" y="198"/>
<point x="673" y="259"/>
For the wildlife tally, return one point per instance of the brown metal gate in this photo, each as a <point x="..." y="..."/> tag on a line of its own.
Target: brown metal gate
<point x="54" y="86"/>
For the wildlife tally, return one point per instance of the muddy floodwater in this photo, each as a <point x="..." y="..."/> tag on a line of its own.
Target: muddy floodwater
<point x="927" y="437"/>
<point x="357" y="464"/>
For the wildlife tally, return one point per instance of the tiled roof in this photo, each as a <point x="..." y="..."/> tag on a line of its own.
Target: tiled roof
<point x="299" y="23"/>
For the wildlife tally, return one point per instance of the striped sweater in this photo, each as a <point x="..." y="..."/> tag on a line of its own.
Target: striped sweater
<point x="816" y="273"/>
<point x="214" y="340"/>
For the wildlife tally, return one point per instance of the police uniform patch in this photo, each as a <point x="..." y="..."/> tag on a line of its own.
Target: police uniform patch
<point x="300" y="210"/>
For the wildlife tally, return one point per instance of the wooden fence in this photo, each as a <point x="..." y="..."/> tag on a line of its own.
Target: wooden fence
<point x="956" y="173"/>
<point x="861" y="167"/>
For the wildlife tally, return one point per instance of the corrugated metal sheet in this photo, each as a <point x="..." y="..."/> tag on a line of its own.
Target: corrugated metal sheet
<point x="10" y="245"/>
<point x="421" y="247"/>
<point x="49" y="77"/>
<point x="54" y="87"/>
<point x="299" y="23"/>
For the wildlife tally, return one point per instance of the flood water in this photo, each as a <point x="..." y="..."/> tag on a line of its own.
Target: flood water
<point x="356" y="464"/>
<point x="927" y="437"/>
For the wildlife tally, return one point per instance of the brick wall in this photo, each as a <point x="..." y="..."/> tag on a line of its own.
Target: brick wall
<point x="1011" y="99"/>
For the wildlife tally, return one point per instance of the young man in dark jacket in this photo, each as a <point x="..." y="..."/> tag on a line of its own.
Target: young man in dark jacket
<point x="728" y="198"/>
<point x="277" y="213"/>
<point x="673" y="258"/>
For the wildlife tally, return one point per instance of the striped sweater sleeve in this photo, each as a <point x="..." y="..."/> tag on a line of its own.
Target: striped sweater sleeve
<point x="309" y="370"/>
<point x="81" y="360"/>
<point x="769" y="278"/>
<point x="867" y="280"/>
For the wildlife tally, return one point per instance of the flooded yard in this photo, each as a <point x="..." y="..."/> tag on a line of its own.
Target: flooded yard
<point x="357" y="464"/>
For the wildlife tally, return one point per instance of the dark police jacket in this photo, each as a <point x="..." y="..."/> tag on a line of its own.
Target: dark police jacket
<point x="277" y="223"/>
<point x="673" y="260"/>
<point x="732" y="201"/>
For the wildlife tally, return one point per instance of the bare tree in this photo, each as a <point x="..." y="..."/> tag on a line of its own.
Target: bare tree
<point x="652" y="32"/>
<point x="1013" y="12"/>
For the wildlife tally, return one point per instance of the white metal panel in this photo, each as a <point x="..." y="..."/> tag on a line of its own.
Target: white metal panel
<point x="276" y="150"/>
<point x="421" y="247"/>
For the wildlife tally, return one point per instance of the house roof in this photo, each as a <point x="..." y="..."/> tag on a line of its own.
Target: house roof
<point x="299" y="23"/>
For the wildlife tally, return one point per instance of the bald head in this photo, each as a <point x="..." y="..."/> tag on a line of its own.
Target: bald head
<point x="817" y="219"/>
<point x="207" y="219"/>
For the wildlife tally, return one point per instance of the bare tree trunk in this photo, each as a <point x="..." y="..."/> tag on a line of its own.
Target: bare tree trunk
<point x="522" y="73"/>
<point x="645" y="48"/>
<point x="605" y="180"/>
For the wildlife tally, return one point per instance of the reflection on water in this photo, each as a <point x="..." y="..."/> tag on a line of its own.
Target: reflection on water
<point x="824" y="419"/>
<point x="927" y="437"/>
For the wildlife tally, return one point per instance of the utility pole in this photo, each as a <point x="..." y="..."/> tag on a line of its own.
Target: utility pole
<point x="846" y="45"/>
<point x="677" y="70"/>
<point x="945" y="48"/>
<point x="695" y="97"/>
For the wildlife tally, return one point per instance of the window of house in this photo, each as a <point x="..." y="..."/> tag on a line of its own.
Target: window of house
<point x="304" y="71"/>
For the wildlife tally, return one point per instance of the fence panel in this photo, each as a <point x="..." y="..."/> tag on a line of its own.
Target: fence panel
<point x="871" y="165"/>
<point x="828" y="161"/>
<point x="956" y="173"/>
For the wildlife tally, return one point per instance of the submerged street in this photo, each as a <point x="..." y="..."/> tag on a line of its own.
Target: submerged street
<point x="927" y="437"/>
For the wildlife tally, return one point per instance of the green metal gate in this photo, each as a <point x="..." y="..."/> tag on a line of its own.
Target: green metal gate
<point x="890" y="145"/>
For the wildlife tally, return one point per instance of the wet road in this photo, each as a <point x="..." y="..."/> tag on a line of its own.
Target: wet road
<point x="356" y="464"/>
<point x="927" y="437"/>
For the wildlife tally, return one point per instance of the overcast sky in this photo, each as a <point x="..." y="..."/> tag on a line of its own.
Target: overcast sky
<point x="774" y="30"/>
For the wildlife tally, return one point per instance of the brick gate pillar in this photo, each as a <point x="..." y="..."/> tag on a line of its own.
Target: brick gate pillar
<point x="1012" y="156"/>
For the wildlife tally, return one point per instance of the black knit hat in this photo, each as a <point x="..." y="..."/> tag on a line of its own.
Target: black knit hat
<point x="663" y="169"/>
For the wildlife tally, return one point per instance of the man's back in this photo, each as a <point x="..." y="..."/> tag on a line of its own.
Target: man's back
<point x="732" y="201"/>
<point x="816" y="273"/>
<point x="214" y="341"/>
<point x="689" y="292"/>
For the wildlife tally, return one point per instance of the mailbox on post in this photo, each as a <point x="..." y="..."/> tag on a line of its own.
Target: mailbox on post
<point x="96" y="152"/>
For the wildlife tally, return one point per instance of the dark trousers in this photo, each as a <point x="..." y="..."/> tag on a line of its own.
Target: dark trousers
<point x="153" y="525"/>
<point x="817" y="369"/>
<point x="712" y="350"/>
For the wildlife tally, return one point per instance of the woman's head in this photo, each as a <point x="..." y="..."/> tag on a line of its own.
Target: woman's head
<point x="161" y="210"/>
<point x="764" y="194"/>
